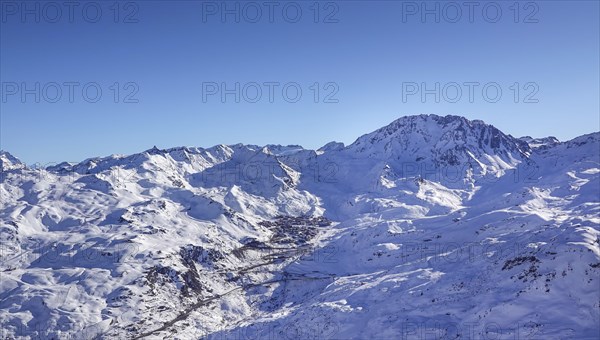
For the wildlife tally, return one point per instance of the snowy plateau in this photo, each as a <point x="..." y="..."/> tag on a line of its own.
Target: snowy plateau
<point x="429" y="228"/>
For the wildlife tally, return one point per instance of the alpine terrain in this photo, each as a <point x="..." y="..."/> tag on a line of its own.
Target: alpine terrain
<point x="429" y="228"/>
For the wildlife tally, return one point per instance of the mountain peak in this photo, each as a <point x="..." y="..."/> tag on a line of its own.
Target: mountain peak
<point x="331" y="146"/>
<point x="444" y="140"/>
<point x="413" y="122"/>
<point x="9" y="162"/>
<point x="535" y="143"/>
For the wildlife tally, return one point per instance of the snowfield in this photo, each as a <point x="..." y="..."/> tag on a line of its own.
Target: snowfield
<point x="429" y="228"/>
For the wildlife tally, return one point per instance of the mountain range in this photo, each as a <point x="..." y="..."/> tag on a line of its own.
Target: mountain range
<point x="431" y="227"/>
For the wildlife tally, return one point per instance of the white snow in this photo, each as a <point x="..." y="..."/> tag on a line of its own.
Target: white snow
<point x="440" y="227"/>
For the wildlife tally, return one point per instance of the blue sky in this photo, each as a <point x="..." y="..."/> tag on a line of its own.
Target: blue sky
<point x="370" y="61"/>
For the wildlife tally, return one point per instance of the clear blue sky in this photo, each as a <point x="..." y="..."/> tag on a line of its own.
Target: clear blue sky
<point x="368" y="53"/>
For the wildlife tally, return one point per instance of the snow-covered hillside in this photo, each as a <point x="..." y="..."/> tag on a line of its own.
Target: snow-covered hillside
<point x="429" y="228"/>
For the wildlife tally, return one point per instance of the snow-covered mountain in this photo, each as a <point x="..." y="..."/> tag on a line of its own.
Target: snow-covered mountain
<point x="9" y="162"/>
<point x="429" y="228"/>
<point x="449" y="140"/>
<point x="540" y="142"/>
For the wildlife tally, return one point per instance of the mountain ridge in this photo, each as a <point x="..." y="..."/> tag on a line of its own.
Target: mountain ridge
<point x="282" y="242"/>
<point x="496" y="136"/>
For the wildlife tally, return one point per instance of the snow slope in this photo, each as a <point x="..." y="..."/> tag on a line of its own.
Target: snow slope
<point x="430" y="227"/>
